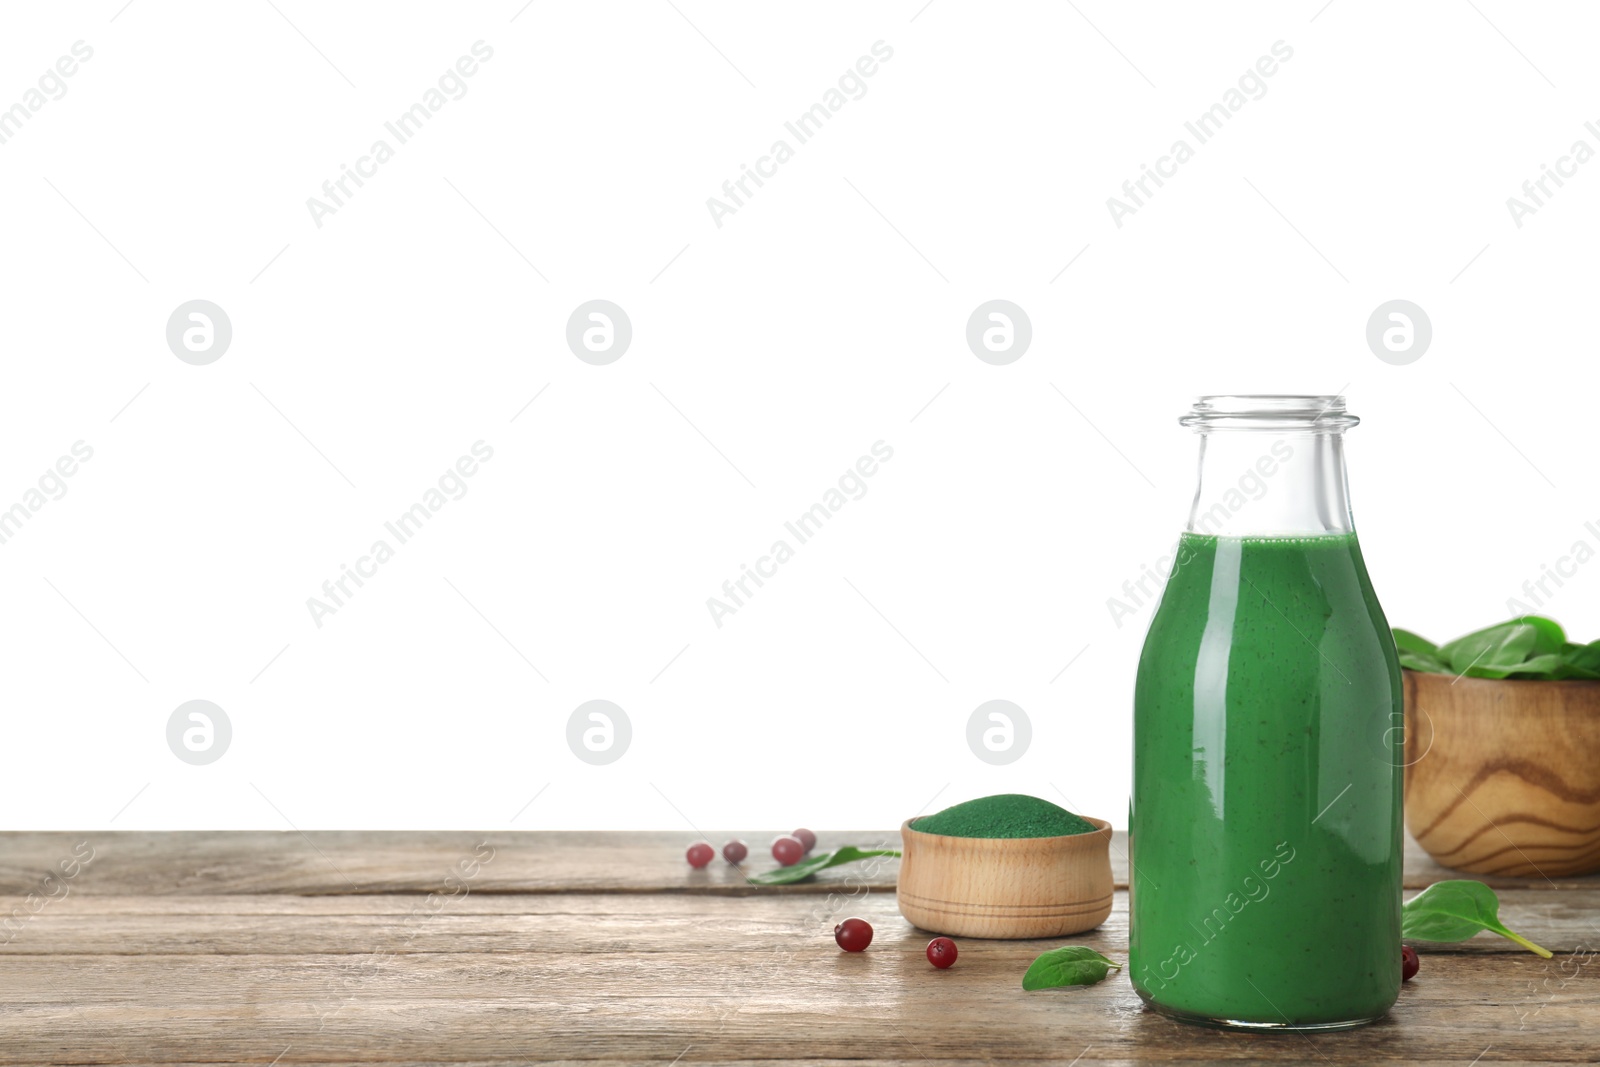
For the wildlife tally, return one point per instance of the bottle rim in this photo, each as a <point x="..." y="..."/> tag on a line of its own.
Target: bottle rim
<point x="1307" y="413"/>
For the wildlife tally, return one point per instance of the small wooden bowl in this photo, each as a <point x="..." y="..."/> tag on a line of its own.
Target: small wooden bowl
<point x="1503" y="777"/>
<point x="1006" y="888"/>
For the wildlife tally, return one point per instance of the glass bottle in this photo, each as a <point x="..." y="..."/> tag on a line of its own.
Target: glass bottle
<point x="1264" y="827"/>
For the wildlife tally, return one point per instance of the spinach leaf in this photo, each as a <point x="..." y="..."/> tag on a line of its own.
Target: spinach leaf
<point x="1068" y="965"/>
<point x="822" y="861"/>
<point x="1418" y="653"/>
<point x="1570" y="672"/>
<point x="1494" y="648"/>
<point x="1528" y="647"/>
<point x="1424" y="661"/>
<point x="1551" y="638"/>
<point x="1456" y="910"/>
<point x="1546" y="665"/>
<point x="1583" y="660"/>
<point x="1406" y="641"/>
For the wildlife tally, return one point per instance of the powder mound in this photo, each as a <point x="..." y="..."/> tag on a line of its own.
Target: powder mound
<point x="1005" y="815"/>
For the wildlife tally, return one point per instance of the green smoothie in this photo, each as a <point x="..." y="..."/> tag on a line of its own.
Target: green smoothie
<point x="1265" y="819"/>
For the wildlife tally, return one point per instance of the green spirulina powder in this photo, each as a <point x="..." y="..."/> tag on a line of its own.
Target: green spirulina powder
<point x="1005" y="815"/>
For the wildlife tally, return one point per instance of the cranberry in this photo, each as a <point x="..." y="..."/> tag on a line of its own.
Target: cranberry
<point x="1408" y="963"/>
<point x="942" y="952"/>
<point x="787" y="850"/>
<point x="699" y="854"/>
<point x="854" y="935"/>
<point x="806" y="838"/>
<point x="734" y="851"/>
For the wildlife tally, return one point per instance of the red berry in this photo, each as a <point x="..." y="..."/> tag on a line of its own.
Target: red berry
<point x="734" y="851"/>
<point x="787" y="850"/>
<point x="699" y="854"/>
<point x="806" y="838"/>
<point x="942" y="952"/>
<point x="854" y="935"/>
<point x="1408" y="963"/>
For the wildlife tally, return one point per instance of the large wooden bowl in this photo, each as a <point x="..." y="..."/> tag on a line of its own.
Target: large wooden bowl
<point x="1503" y="777"/>
<point x="1006" y="887"/>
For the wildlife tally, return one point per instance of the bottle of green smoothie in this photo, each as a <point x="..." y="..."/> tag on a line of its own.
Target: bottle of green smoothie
<point x="1264" y="828"/>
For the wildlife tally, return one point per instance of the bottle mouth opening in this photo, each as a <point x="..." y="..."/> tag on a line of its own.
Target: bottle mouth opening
<point x="1306" y="414"/>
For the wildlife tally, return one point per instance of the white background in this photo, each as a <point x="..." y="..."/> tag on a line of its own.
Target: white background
<point x="822" y="317"/>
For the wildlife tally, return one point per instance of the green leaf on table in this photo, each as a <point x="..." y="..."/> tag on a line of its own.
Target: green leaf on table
<point x="1499" y="647"/>
<point x="1068" y="965"/>
<point x="1456" y="910"/>
<point x="822" y="861"/>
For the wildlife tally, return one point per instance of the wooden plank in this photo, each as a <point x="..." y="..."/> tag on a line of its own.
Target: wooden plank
<point x="1247" y="1056"/>
<point x="360" y="862"/>
<point x="164" y="948"/>
<point x="640" y="924"/>
<point x="909" y="1061"/>
<point x="636" y="978"/>
<point x="340" y="862"/>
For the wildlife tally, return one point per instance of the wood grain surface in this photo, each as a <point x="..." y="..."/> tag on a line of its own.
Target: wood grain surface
<point x="1504" y="777"/>
<point x="997" y="887"/>
<point x="377" y="948"/>
<point x="334" y="862"/>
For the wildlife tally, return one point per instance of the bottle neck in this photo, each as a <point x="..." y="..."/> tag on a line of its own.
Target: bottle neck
<point x="1258" y="483"/>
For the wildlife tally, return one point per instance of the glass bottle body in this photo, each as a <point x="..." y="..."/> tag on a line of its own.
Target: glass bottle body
<point x="1265" y="821"/>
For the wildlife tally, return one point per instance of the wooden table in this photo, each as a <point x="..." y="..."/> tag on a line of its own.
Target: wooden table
<point x="515" y="948"/>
